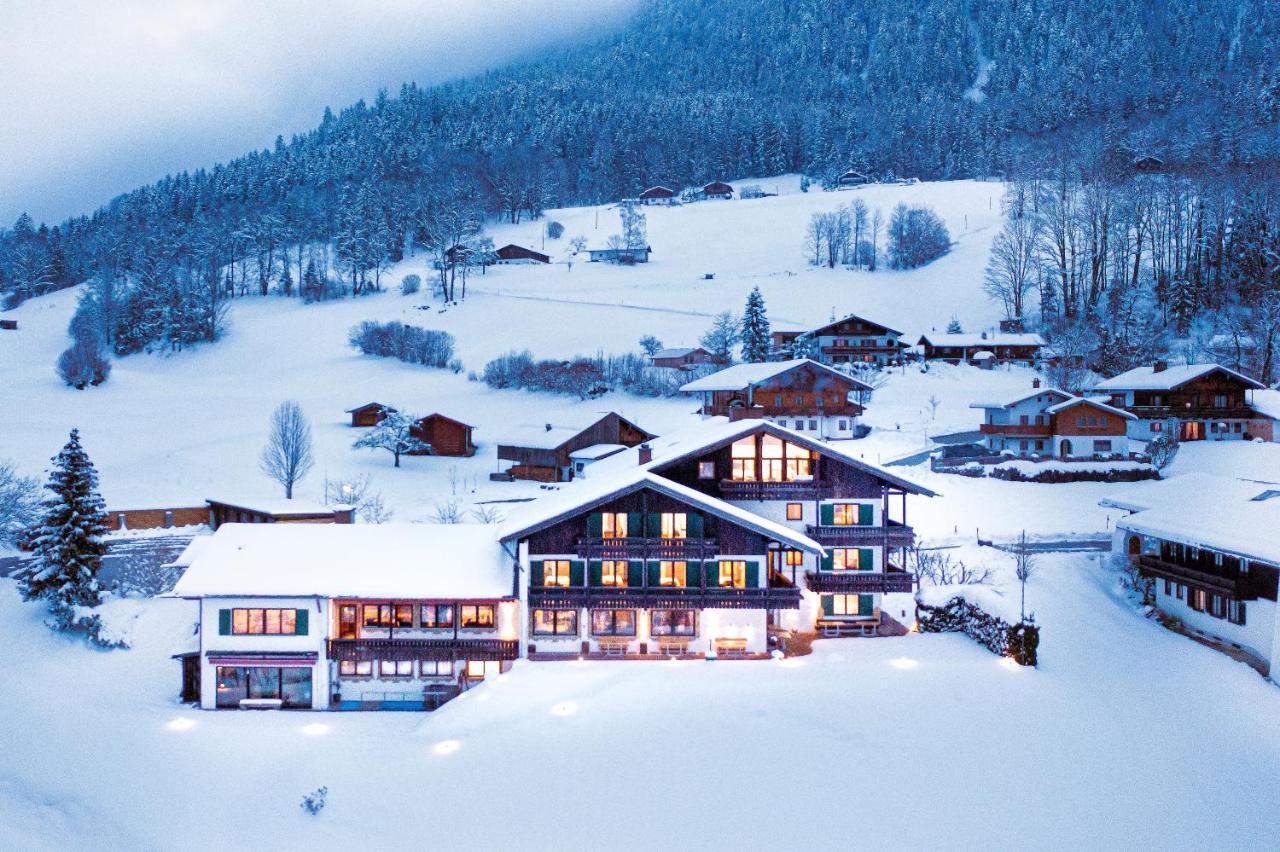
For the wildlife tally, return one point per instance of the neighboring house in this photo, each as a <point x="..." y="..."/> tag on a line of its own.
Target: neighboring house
<point x="1191" y="402"/>
<point x="1266" y="414"/>
<point x="1051" y="422"/>
<point x="716" y="189"/>
<point x="369" y="414"/>
<point x="801" y="394"/>
<point x="852" y="340"/>
<point x="620" y="255"/>
<point x="542" y="453"/>
<point x="447" y="437"/>
<point x="512" y="253"/>
<point x="657" y="195"/>
<point x="985" y="348"/>
<point x="278" y="511"/>
<point x="1148" y="164"/>
<point x="681" y="358"/>
<point x="1213" y="557"/>
<point x="852" y="178"/>
<point x="706" y="543"/>
<point x="160" y="518"/>
<point x="387" y="616"/>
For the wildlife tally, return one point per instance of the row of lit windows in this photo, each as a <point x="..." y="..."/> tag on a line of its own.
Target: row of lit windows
<point x="430" y="616"/>
<point x="476" y="669"/>
<point x="1218" y="606"/>
<point x="730" y="573"/>
<point x="270" y="622"/>
<point x="614" y="622"/>
<point x="670" y="525"/>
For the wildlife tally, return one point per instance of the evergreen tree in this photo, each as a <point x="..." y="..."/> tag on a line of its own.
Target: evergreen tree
<point x="953" y="327"/>
<point x="755" y="329"/>
<point x="68" y="543"/>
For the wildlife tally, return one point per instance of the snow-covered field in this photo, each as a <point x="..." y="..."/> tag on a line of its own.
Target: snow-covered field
<point x="1126" y="736"/>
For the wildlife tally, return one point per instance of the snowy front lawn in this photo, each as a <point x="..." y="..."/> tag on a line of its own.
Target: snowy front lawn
<point x="1126" y="736"/>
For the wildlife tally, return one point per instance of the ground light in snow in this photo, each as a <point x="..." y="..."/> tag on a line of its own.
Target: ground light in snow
<point x="315" y="729"/>
<point x="1010" y="663"/>
<point x="446" y="747"/>
<point x="791" y="663"/>
<point x="904" y="663"/>
<point x="180" y="724"/>
<point x="564" y="708"/>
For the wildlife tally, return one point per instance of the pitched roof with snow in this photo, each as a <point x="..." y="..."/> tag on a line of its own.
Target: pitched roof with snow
<point x="1173" y="376"/>
<point x="743" y="376"/>
<point x="1022" y="396"/>
<point x="1185" y="492"/>
<point x="1266" y="403"/>
<point x="989" y="339"/>
<point x="349" y="560"/>
<point x="1079" y="400"/>
<point x="1245" y="529"/>
<point x="277" y="506"/>
<point x="595" y="452"/>
<point x="678" y="352"/>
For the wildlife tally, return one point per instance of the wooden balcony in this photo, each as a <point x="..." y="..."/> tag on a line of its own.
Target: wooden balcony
<point x="1154" y="566"/>
<point x="680" y="549"/>
<point x="859" y="582"/>
<point x="1194" y="412"/>
<point x="893" y="535"/>
<point x="731" y="489"/>
<point x="363" y="650"/>
<point x="1022" y="430"/>
<point x="666" y="597"/>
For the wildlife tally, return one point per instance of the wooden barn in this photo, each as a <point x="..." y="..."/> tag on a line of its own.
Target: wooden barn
<point x="657" y="195"/>
<point x="369" y="414"/>
<point x="512" y="253"/>
<point x="542" y="453"/>
<point x="447" y="437"/>
<point x="852" y="178"/>
<point x="9" y="325"/>
<point x="984" y="348"/>
<point x="1148" y="163"/>
<point x="682" y="358"/>
<point x="717" y="189"/>
<point x="277" y="512"/>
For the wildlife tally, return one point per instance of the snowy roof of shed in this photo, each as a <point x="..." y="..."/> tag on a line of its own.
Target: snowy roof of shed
<point x="742" y="376"/>
<point x="350" y="560"/>
<point x="278" y="506"/>
<point x="1173" y="376"/>
<point x="677" y="352"/>
<point x="596" y="452"/>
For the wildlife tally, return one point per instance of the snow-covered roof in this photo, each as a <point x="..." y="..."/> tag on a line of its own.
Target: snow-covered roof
<point x="678" y="352"/>
<point x="193" y="549"/>
<point x="277" y="506"/>
<point x="1076" y="400"/>
<point x="1266" y="402"/>
<point x="1245" y="529"/>
<point x="989" y="339"/>
<point x="595" y="452"/>
<point x="1021" y="396"/>
<point x="743" y="376"/>
<point x="1186" y="493"/>
<point x="350" y="560"/>
<point x="1173" y="376"/>
<point x="559" y="427"/>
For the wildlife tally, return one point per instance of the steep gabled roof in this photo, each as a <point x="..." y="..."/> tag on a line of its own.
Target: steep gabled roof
<point x="678" y="352"/>
<point x="1022" y="396"/>
<point x="743" y="376"/>
<point x="823" y="329"/>
<point x="539" y="437"/>
<point x="1079" y="400"/>
<point x="438" y="416"/>
<point x="992" y="338"/>
<point x="1171" y="377"/>
<point x="376" y="406"/>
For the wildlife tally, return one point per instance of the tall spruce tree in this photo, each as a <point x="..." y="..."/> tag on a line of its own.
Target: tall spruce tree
<point x="68" y="543"/>
<point x="755" y="329"/>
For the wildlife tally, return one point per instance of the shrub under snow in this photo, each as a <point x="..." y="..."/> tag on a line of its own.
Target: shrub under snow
<point x="405" y="342"/>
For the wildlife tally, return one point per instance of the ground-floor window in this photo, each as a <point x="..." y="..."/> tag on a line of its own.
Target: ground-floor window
<point x="1235" y="612"/>
<point x="673" y="573"/>
<point x="555" y="622"/>
<point x="1197" y="599"/>
<point x="849" y="605"/>
<point x="477" y="616"/>
<point x="437" y="668"/>
<point x="674" y="622"/>
<point x="1102" y="446"/>
<point x="290" y="684"/>
<point x="395" y="668"/>
<point x="613" y="622"/>
<point x="355" y="668"/>
<point x="481" y="669"/>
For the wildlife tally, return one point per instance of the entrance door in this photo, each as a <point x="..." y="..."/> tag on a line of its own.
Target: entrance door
<point x="1065" y="449"/>
<point x="1192" y="430"/>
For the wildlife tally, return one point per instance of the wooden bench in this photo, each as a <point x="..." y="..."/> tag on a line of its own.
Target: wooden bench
<point x="613" y="647"/>
<point x="671" y="647"/>
<point x="862" y="627"/>
<point x="260" y="703"/>
<point x="731" y="647"/>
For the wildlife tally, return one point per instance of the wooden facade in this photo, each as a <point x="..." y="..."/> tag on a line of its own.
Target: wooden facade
<point x="806" y="391"/>
<point x="369" y="414"/>
<point x="230" y="513"/>
<point x="939" y="348"/>
<point x="657" y="195"/>
<point x="552" y="464"/>
<point x="680" y="359"/>
<point x="447" y="437"/>
<point x="512" y="253"/>
<point x="716" y="189"/>
<point x="149" y="519"/>
<point x="851" y="340"/>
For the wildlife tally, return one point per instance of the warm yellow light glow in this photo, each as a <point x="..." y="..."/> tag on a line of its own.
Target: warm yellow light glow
<point x="564" y="708"/>
<point x="915" y="627"/>
<point x="1009" y="663"/>
<point x="181" y="724"/>
<point x="790" y="662"/>
<point x="904" y="663"/>
<point x="445" y="747"/>
<point x="315" y="729"/>
<point x="484" y="696"/>
<point x="508" y="619"/>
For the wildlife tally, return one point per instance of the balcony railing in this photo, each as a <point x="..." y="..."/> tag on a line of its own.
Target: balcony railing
<point x="666" y="597"/>
<point x="363" y="650"/>
<point x="892" y="535"/>
<point x="685" y="549"/>
<point x="731" y="489"/>
<point x="1207" y="412"/>
<point x="858" y="582"/>
<point x="1030" y="430"/>
<point x="1154" y="566"/>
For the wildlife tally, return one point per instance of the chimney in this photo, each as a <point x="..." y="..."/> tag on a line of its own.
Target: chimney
<point x="1159" y="366"/>
<point x="1035" y="383"/>
<point x="646" y="454"/>
<point x="548" y="427"/>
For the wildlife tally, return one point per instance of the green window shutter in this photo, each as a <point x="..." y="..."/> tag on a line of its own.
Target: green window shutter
<point x="753" y="575"/>
<point x="866" y="559"/>
<point x="224" y="622"/>
<point x="866" y="604"/>
<point x="695" y="525"/>
<point x="300" y="625"/>
<point x="826" y="514"/>
<point x="633" y="525"/>
<point x="535" y="573"/>
<point x="575" y="572"/>
<point x="828" y="561"/>
<point x="635" y="572"/>
<point x="595" y="570"/>
<point x="865" y="513"/>
<point x="655" y="573"/>
<point x="828" y="605"/>
<point x="595" y="526"/>
<point x="654" y="528"/>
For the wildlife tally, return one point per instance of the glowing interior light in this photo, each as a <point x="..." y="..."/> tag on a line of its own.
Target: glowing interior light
<point x="564" y="708"/>
<point x="446" y="747"/>
<point x="180" y="724"/>
<point x="904" y="663"/>
<point x="315" y="729"/>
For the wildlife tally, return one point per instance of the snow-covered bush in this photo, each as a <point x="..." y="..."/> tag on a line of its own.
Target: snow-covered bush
<point x="410" y="284"/>
<point x="313" y="802"/>
<point x="19" y="502"/>
<point x="85" y="362"/>
<point x="406" y="342"/>
<point x="1018" y="641"/>
<point x="1162" y="449"/>
<point x="555" y="230"/>
<point x="588" y="376"/>
<point x="1056" y="472"/>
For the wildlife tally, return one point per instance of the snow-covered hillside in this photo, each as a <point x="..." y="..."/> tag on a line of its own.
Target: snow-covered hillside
<point x="179" y="428"/>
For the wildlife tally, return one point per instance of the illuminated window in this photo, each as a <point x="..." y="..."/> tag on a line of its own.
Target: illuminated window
<point x="613" y="622"/>
<point x="555" y="622"/>
<point x="388" y="615"/>
<point x="356" y="668"/>
<point x="674" y="622"/>
<point x="844" y="514"/>
<point x="799" y="460"/>
<point x="395" y="668"/>
<point x="437" y="668"/>
<point x="614" y="524"/>
<point x="743" y="455"/>
<point x="555" y="572"/>
<point x="476" y="616"/>
<point x="771" y="459"/>
<point x="846" y="559"/>
<point x="795" y="511"/>
<point x="481" y="669"/>
<point x="613" y="572"/>
<point x="437" y="615"/>
<point x="347" y="622"/>
<point x="733" y="574"/>
<point x="273" y="622"/>
<point x="672" y="574"/>
<point x="675" y="525"/>
<point x="851" y="605"/>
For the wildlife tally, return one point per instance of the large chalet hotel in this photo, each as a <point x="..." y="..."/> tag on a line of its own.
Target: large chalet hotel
<point x="707" y="544"/>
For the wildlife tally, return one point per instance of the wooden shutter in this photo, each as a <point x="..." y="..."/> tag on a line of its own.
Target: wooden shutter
<point x="595" y="571"/>
<point x="635" y="572"/>
<point x="828" y="561"/>
<point x="575" y="572"/>
<point x="753" y="575"/>
<point x="536" y="575"/>
<point x="826" y="514"/>
<point x="695" y="525"/>
<point x="865" y="514"/>
<point x="866" y="559"/>
<point x="224" y="622"/>
<point x="300" y="624"/>
<point x="866" y="604"/>
<point x="634" y="526"/>
<point x="828" y="604"/>
<point x="654" y="528"/>
<point x="595" y="525"/>
<point x="655" y="573"/>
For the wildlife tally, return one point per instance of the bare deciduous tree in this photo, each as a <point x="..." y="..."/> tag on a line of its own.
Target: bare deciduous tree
<point x="19" y="502"/>
<point x="287" y="457"/>
<point x="1025" y="567"/>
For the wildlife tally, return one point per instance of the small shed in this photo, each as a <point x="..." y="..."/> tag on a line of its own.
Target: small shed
<point x="9" y="325"/>
<point x="512" y="253"/>
<point x="587" y="456"/>
<point x="852" y="178"/>
<point x="1148" y="163"/>
<point x="447" y="437"/>
<point x="369" y="414"/>
<point x="276" y="511"/>
<point x="681" y="358"/>
<point x="717" y="189"/>
<point x="626" y="256"/>
<point x="657" y="195"/>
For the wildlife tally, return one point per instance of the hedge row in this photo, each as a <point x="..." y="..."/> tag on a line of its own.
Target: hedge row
<point x="1012" y="474"/>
